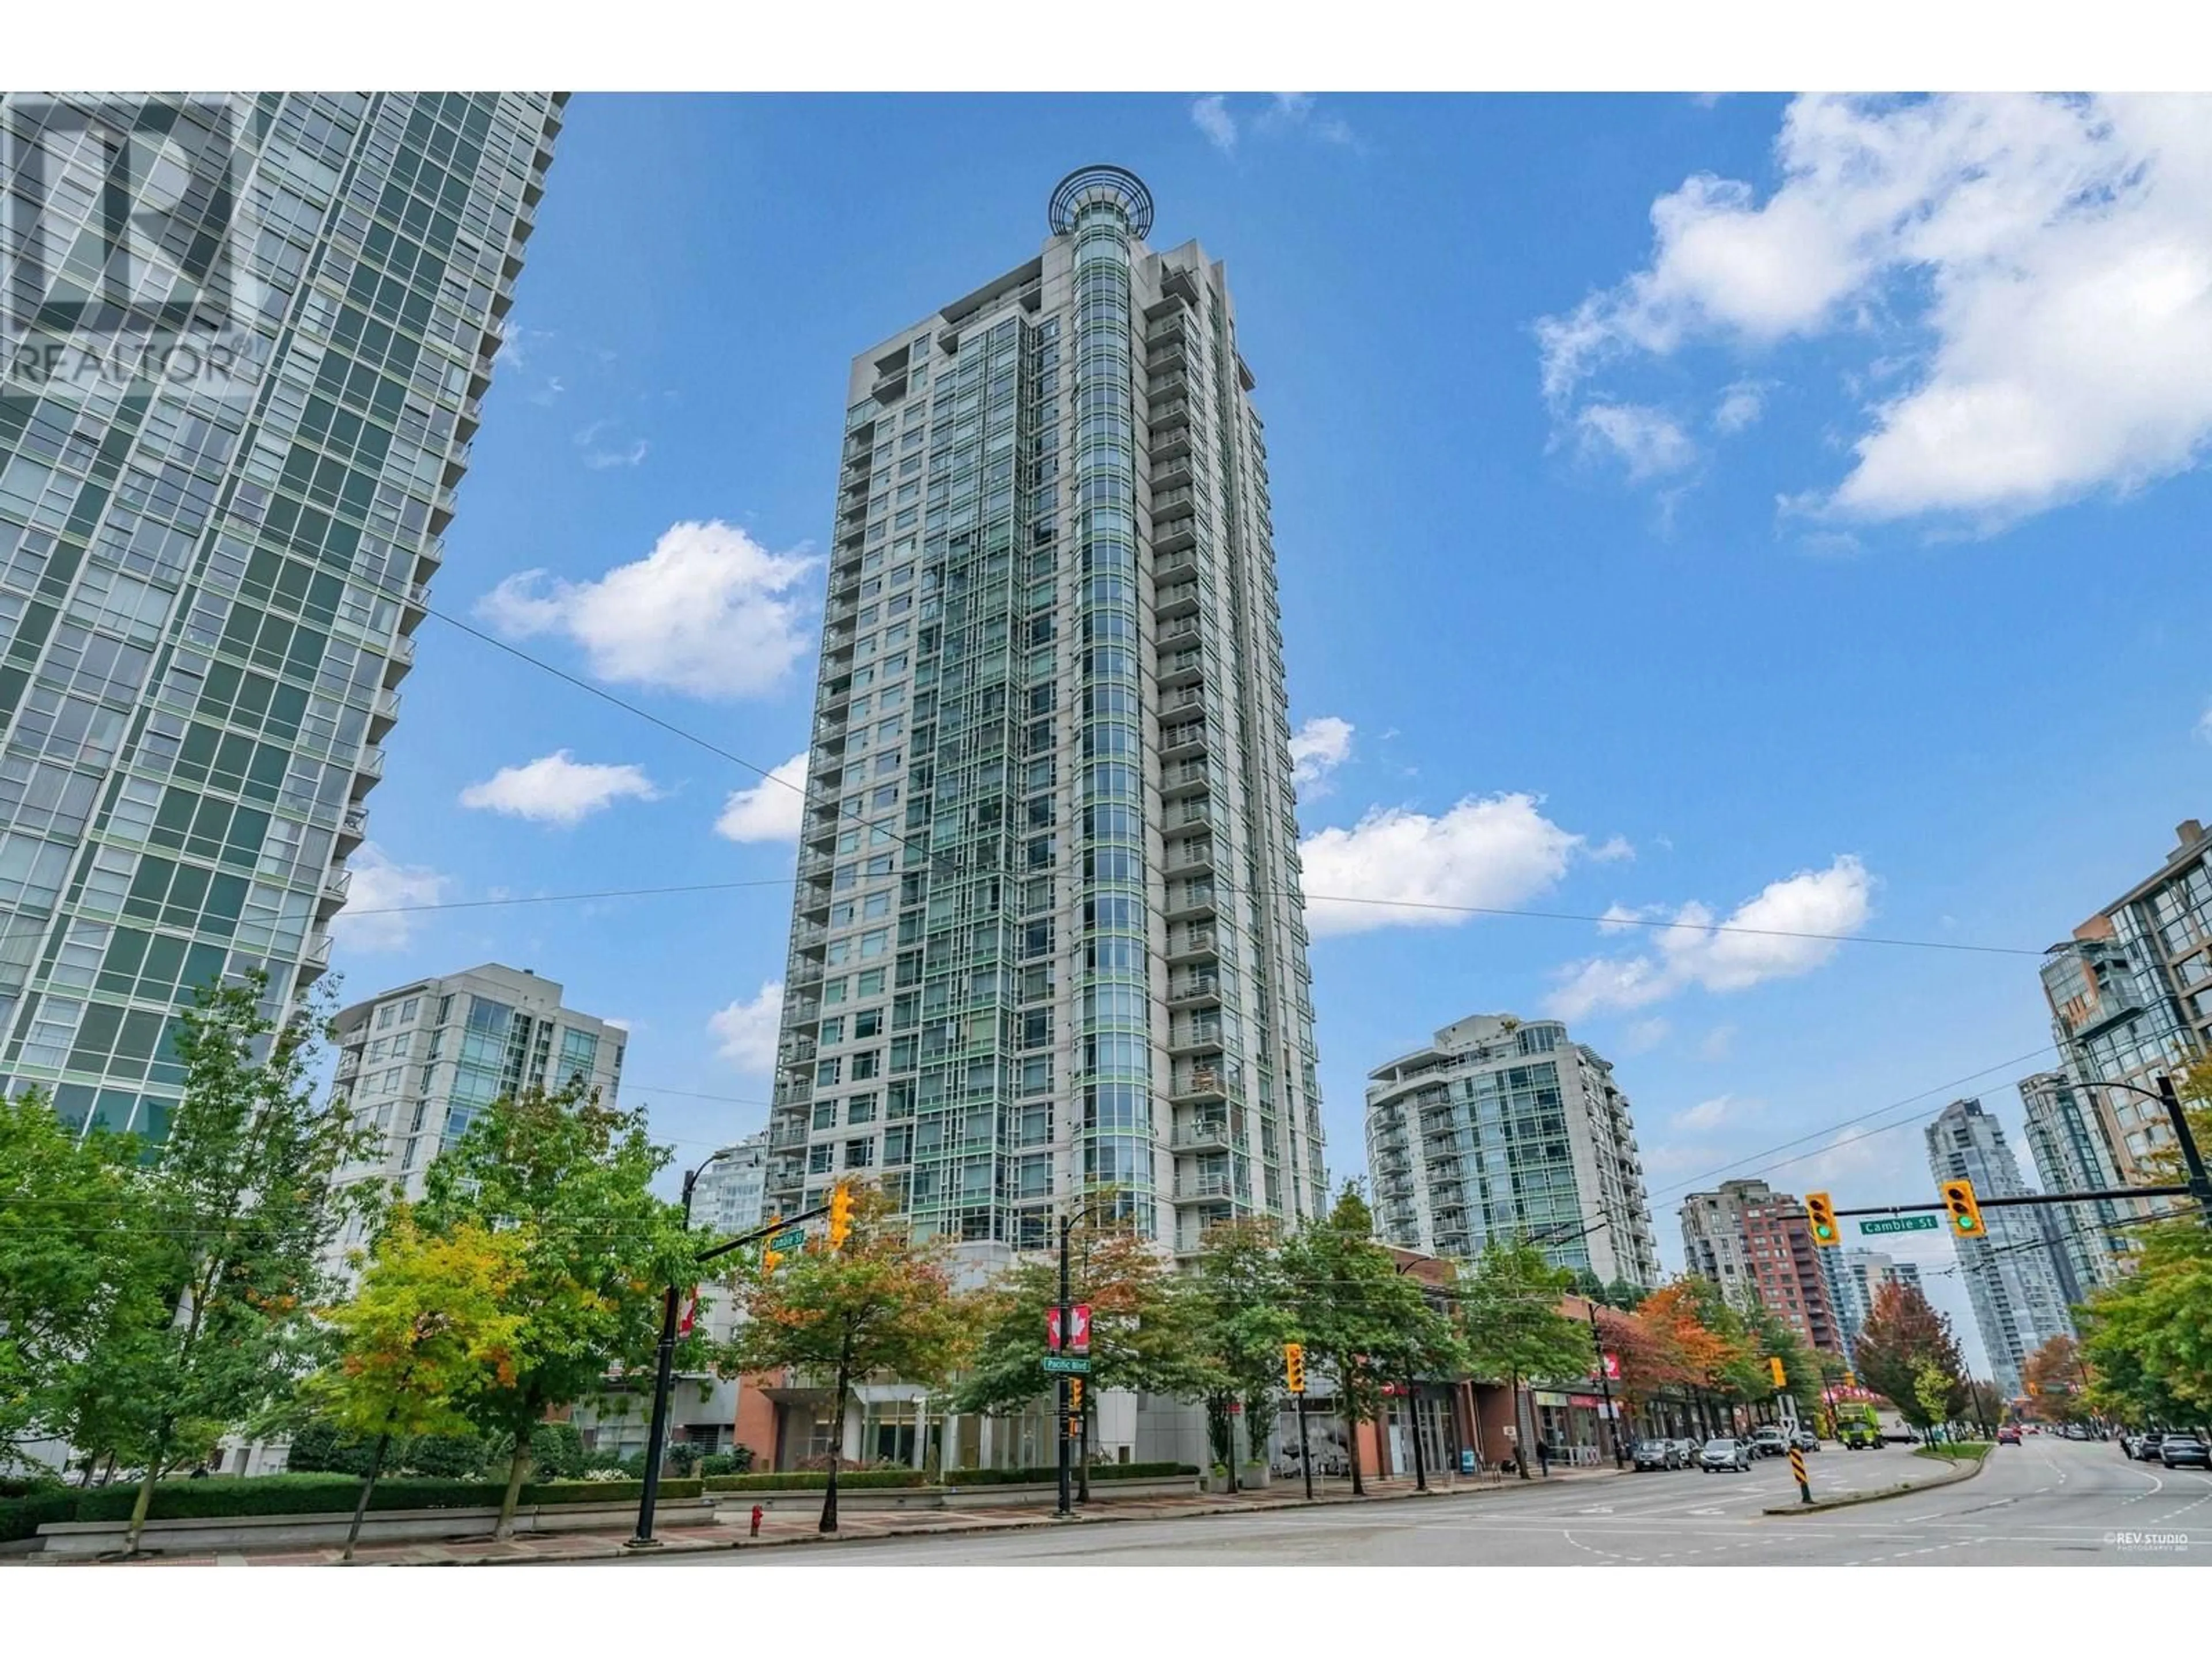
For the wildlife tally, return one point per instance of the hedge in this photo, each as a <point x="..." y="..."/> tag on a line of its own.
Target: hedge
<point x="814" y="1481"/>
<point x="227" y="1495"/>
<point x="1051" y="1473"/>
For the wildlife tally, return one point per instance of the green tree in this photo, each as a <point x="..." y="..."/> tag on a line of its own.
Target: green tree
<point x="2148" y="1340"/>
<point x="422" y="1335"/>
<point x="573" y="1178"/>
<point x="1238" y="1315"/>
<point x="1141" y="1339"/>
<point x="1932" y="1393"/>
<point x="1903" y="1336"/>
<point x="2055" y="1381"/>
<point x="881" y="1305"/>
<point x="1511" y="1325"/>
<point x="1339" y="1286"/>
<point x="71" y="1259"/>
<point x="233" y="1224"/>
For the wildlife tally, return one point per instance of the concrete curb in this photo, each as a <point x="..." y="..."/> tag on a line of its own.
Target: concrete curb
<point x="1023" y="1525"/>
<point x="1961" y="1469"/>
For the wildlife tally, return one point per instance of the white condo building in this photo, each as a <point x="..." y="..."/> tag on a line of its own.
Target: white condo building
<point x="1502" y="1129"/>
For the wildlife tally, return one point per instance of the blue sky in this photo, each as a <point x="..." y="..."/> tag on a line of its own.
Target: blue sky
<point x="1683" y="503"/>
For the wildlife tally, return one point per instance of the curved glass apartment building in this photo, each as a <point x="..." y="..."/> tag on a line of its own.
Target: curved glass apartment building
<point x="1047" y="935"/>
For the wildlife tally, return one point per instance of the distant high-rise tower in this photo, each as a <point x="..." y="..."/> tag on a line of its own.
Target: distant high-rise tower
<point x="1502" y="1129"/>
<point x="2071" y="1155"/>
<point x="1047" y="935"/>
<point x="2012" y="1276"/>
<point x="1754" y="1241"/>
<point x="1856" y="1278"/>
<point x="213" y="561"/>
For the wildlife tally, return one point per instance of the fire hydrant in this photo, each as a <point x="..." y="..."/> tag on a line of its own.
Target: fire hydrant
<point x="757" y="1512"/>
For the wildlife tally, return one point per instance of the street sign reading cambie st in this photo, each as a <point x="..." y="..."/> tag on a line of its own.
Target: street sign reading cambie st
<point x="1074" y="1364"/>
<point x="1901" y="1223"/>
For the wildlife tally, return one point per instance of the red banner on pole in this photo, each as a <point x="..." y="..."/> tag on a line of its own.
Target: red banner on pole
<point x="1079" y="1327"/>
<point x="1612" y="1368"/>
<point x="1052" y="1330"/>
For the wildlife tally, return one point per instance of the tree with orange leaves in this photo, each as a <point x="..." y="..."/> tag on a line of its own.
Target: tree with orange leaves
<point x="425" y="1333"/>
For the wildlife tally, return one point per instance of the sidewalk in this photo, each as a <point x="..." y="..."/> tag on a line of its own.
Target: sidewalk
<point x="797" y="1527"/>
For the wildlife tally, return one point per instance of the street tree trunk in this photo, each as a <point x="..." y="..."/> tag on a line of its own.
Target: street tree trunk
<point x="518" y="1469"/>
<point x="828" y="1523"/>
<point x="145" y="1503"/>
<point x="367" y="1487"/>
<point x="1352" y="1434"/>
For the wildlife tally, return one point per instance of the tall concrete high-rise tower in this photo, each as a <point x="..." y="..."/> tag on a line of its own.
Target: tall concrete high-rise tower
<point x="1047" y="937"/>
<point x="2012" y="1275"/>
<point x="246" y="340"/>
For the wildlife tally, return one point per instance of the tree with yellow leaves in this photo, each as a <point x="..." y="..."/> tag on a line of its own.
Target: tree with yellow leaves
<point x="425" y="1334"/>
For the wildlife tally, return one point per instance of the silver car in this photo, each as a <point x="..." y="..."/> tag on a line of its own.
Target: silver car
<point x="1726" y="1454"/>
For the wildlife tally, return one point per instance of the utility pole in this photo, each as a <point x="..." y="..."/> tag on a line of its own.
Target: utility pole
<point x="656" y="1439"/>
<point x="2200" y="1183"/>
<point x="1605" y="1387"/>
<point x="1065" y="1511"/>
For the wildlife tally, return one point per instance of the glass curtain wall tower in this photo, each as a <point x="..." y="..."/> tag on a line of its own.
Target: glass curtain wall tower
<point x="1047" y="937"/>
<point x="210" y="581"/>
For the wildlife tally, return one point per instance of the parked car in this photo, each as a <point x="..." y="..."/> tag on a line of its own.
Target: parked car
<point x="1769" y="1442"/>
<point x="1656" y="1454"/>
<point x="2009" y="1435"/>
<point x="1806" y="1440"/>
<point x="2178" y="1449"/>
<point x="2147" y="1445"/>
<point x="1689" y="1448"/>
<point x="1726" y="1454"/>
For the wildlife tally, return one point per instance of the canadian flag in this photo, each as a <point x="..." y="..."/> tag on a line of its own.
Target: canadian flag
<point x="1052" y="1330"/>
<point x="1612" y="1367"/>
<point x="690" y="1312"/>
<point x="1079" y="1327"/>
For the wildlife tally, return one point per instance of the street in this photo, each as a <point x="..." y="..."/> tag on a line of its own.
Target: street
<point x="2047" y="1502"/>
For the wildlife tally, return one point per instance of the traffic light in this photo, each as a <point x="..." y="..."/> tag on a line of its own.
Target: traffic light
<point x="1294" y="1368"/>
<point x="1774" y="1366"/>
<point x="771" y="1258"/>
<point x="841" y="1215"/>
<point x="1965" y="1213"/>
<point x="1821" y="1211"/>
<point x="1075" y="1396"/>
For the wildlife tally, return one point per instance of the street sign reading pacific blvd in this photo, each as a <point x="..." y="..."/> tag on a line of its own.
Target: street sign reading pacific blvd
<point x="1074" y="1364"/>
<point x="1901" y="1223"/>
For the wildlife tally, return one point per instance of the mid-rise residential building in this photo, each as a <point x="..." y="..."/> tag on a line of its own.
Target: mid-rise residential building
<point x="728" y="1196"/>
<point x="210" y="577"/>
<point x="2071" y="1154"/>
<point x="1855" y="1277"/>
<point x="1756" y="1243"/>
<point x="1506" y="1129"/>
<point x="2011" y="1275"/>
<point x="418" y="1061"/>
<point x="1047" y="935"/>
<point x="2131" y="997"/>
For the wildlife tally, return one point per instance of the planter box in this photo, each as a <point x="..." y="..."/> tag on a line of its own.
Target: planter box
<point x="230" y="1533"/>
<point x="1253" y="1477"/>
<point x="1048" y="1493"/>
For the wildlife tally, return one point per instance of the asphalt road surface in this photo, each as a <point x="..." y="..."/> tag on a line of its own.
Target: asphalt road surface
<point x="2044" y="1503"/>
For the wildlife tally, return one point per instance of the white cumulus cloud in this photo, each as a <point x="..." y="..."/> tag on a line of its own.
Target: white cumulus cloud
<point x="1706" y="1114"/>
<point x="379" y="885"/>
<point x="709" y="612"/>
<point x="769" y="810"/>
<point x="746" y="1031"/>
<point x="557" y="788"/>
<point x="1318" y="747"/>
<point x="1793" y="927"/>
<point x="1645" y="441"/>
<point x="1741" y="406"/>
<point x="2034" y="271"/>
<point x="1210" y="114"/>
<point x="1493" y="852"/>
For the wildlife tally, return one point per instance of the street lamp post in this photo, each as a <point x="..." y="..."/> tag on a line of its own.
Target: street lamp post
<point x="657" y="1436"/>
<point x="2199" y="1180"/>
<point x="1605" y="1387"/>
